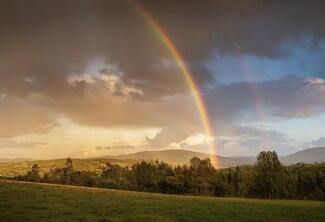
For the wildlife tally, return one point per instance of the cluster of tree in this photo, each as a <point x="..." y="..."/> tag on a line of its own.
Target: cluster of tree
<point x="268" y="178"/>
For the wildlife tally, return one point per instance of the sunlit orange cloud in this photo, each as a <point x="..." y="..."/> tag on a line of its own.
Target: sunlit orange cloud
<point x="70" y="139"/>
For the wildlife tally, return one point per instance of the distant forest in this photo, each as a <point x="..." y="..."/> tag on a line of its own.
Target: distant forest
<point x="267" y="178"/>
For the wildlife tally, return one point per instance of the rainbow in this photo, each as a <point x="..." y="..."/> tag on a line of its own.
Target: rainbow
<point x="188" y="77"/>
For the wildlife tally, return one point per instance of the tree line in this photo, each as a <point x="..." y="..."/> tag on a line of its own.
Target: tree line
<point x="267" y="178"/>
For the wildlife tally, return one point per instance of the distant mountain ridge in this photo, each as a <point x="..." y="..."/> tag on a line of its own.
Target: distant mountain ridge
<point x="311" y="155"/>
<point x="20" y="166"/>
<point x="179" y="156"/>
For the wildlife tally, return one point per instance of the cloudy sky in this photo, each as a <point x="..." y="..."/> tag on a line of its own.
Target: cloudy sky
<point x="90" y="78"/>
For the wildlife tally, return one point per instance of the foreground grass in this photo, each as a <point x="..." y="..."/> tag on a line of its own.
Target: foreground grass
<point x="20" y="201"/>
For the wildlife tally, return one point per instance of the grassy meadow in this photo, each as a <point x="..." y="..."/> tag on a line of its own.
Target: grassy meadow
<point x="24" y="201"/>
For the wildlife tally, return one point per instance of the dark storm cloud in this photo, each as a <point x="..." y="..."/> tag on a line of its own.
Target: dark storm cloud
<point x="42" y="42"/>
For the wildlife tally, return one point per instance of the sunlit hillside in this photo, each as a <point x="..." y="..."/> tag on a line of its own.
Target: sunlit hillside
<point x="174" y="157"/>
<point x="11" y="169"/>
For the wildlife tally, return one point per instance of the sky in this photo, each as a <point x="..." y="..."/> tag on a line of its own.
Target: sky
<point x="94" y="78"/>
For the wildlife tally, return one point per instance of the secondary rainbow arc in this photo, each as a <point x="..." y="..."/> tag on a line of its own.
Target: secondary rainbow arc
<point x="197" y="96"/>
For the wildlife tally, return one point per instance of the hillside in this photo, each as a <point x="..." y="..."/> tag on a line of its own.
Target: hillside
<point x="176" y="156"/>
<point x="48" y="202"/>
<point x="5" y="160"/>
<point x="310" y="155"/>
<point x="14" y="167"/>
<point x="179" y="156"/>
<point x="11" y="169"/>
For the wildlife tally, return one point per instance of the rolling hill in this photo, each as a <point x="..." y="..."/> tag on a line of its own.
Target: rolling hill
<point x="5" y="160"/>
<point x="176" y="156"/>
<point x="11" y="169"/>
<point x="14" y="167"/>
<point x="179" y="156"/>
<point x="310" y="155"/>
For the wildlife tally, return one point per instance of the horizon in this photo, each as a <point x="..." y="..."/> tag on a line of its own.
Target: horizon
<point x="102" y="78"/>
<point x="131" y="153"/>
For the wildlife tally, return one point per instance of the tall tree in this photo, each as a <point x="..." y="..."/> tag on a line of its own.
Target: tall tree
<point x="113" y="176"/>
<point x="68" y="170"/>
<point x="268" y="174"/>
<point x="34" y="174"/>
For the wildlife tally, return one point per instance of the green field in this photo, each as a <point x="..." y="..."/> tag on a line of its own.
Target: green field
<point x="22" y="201"/>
